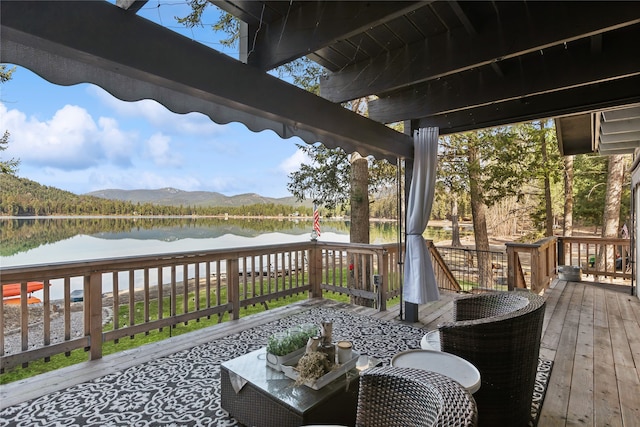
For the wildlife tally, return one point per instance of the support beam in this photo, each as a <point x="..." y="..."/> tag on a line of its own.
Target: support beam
<point x="517" y="32"/>
<point x="575" y="100"/>
<point x="528" y="76"/>
<point x="133" y="59"/>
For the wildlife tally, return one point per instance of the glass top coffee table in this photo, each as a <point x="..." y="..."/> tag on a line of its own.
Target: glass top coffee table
<point x="256" y="395"/>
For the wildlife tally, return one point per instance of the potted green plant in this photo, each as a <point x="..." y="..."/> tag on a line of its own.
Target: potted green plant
<point x="282" y="346"/>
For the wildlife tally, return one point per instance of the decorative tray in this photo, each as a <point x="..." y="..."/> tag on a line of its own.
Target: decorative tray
<point x="276" y="362"/>
<point x="288" y="368"/>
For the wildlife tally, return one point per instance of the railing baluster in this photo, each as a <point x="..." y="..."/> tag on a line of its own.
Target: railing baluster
<point x="233" y="290"/>
<point x="174" y="292"/>
<point x="93" y="301"/>
<point x="244" y="278"/>
<point x="196" y="281"/>
<point x="160" y="288"/>
<point x="146" y="297"/>
<point x="24" y="318"/>
<point x="116" y="301"/>
<point x="256" y="273"/>
<point x="46" y="320"/>
<point x="218" y="283"/>
<point x="290" y="268"/>
<point x="207" y="272"/>
<point x="67" y="310"/>
<point x="132" y="303"/>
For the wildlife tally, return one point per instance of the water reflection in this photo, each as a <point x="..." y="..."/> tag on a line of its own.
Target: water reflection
<point x="57" y="240"/>
<point x="24" y="235"/>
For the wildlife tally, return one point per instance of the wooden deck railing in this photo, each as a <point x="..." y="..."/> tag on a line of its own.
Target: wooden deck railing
<point x="160" y="291"/>
<point x="541" y="257"/>
<point x="599" y="257"/>
<point x="459" y="269"/>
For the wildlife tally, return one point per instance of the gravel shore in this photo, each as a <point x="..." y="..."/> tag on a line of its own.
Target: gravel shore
<point x="13" y="337"/>
<point x="12" y="318"/>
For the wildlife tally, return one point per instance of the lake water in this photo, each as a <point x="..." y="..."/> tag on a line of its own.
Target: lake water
<point x="30" y="241"/>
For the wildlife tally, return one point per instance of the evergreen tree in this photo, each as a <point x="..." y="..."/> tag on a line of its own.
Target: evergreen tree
<point x="7" y="166"/>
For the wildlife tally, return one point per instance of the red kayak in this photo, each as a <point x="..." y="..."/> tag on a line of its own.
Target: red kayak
<point x="13" y="289"/>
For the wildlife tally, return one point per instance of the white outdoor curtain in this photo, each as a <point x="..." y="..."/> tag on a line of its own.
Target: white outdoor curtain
<point x="420" y="284"/>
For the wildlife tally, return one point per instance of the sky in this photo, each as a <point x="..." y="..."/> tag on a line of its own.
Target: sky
<point x="81" y="139"/>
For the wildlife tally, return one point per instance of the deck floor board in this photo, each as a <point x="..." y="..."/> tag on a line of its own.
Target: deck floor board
<point x="593" y="330"/>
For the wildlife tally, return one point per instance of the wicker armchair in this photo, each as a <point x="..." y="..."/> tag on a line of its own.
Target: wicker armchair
<point x="401" y="397"/>
<point x="500" y="334"/>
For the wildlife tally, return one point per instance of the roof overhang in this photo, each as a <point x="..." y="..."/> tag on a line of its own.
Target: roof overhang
<point x="71" y="42"/>
<point x="617" y="131"/>
<point x="607" y="132"/>
<point x="455" y="65"/>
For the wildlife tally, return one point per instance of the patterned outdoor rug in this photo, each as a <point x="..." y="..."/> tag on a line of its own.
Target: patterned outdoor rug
<point x="540" y="389"/>
<point x="183" y="389"/>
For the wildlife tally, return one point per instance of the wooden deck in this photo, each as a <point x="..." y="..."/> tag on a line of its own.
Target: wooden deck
<point x="591" y="331"/>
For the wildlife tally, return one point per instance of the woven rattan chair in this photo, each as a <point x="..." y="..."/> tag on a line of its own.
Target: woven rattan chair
<point x="402" y="397"/>
<point x="500" y="334"/>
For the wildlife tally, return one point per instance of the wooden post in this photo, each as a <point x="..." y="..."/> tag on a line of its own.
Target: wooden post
<point x="511" y="267"/>
<point x="560" y="250"/>
<point x="233" y="287"/>
<point x="93" y="302"/>
<point x="86" y="304"/>
<point x="536" y="274"/>
<point x="315" y="271"/>
<point x="383" y="286"/>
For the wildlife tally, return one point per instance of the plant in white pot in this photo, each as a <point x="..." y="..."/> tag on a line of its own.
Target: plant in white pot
<point x="283" y="346"/>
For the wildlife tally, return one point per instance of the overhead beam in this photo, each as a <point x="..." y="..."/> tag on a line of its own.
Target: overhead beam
<point x="583" y="99"/>
<point x="133" y="6"/>
<point x="301" y="32"/>
<point x="532" y="75"/>
<point x="543" y="26"/>
<point x="130" y="56"/>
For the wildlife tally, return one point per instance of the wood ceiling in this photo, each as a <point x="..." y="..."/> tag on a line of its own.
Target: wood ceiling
<point x="457" y="65"/>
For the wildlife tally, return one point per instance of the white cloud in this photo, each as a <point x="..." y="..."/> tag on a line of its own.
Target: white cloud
<point x="159" y="116"/>
<point x="293" y="162"/>
<point x="70" y="140"/>
<point x="160" y="152"/>
<point x="117" y="145"/>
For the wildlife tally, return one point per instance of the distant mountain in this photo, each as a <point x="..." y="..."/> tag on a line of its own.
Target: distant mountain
<point x="174" y="197"/>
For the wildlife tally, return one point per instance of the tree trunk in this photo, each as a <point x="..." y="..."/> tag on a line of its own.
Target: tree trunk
<point x="479" y="213"/>
<point x="359" y="268"/>
<point x="359" y="229"/>
<point x="611" y="216"/>
<point x="547" y="184"/>
<point x="613" y="198"/>
<point x="455" y="228"/>
<point x="567" y="226"/>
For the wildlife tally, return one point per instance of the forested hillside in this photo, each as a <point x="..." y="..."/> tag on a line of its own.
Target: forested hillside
<point x="23" y="197"/>
<point x="175" y="197"/>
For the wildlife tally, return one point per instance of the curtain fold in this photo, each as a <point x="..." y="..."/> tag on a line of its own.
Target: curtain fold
<point x="420" y="284"/>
